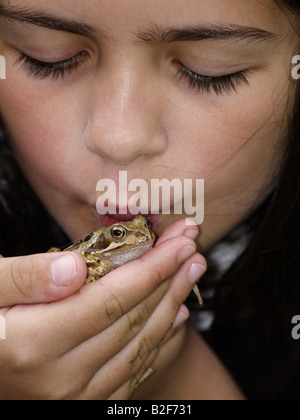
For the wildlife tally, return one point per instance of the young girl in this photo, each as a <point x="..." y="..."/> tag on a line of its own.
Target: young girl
<point x="200" y="89"/>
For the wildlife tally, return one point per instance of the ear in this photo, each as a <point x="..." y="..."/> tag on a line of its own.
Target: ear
<point x="101" y="243"/>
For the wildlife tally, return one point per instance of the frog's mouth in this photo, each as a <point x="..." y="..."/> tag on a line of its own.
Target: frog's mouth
<point x="119" y="259"/>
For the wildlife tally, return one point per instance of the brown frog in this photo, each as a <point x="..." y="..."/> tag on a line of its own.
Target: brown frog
<point x="110" y="247"/>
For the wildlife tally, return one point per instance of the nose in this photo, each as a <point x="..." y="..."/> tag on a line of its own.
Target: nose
<point x="125" y="119"/>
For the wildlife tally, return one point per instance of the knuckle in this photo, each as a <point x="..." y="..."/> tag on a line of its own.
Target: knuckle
<point x="113" y="308"/>
<point x="137" y="318"/>
<point x="24" y="358"/>
<point x="21" y="276"/>
<point x="156" y="277"/>
<point x="142" y="349"/>
<point x="146" y="345"/>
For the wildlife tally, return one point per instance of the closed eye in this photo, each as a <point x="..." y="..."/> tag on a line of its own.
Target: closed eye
<point x="42" y="70"/>
<point x="212" y="84"/>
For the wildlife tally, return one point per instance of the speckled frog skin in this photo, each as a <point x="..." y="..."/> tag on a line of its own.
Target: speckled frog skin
<point x="111" y="247"/>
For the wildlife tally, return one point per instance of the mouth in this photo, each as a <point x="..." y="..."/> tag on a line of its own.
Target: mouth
<point x="111" y="219"/>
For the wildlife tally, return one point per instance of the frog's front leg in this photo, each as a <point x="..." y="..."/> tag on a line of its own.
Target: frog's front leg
<point x="96" y="271"/>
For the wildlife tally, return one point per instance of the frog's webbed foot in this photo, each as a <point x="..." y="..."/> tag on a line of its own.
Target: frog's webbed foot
<point x="54" y="250"/>
<point x="144" y="378"/>
<point x="199" y="297"/>
<point x="90" y="280"/>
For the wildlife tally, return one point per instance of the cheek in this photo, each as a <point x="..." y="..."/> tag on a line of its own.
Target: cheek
<point x="233" y="148"/>
<point x="43" y="139"/>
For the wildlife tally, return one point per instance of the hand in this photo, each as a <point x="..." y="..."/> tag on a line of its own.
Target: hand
<point x="98" y="343"/>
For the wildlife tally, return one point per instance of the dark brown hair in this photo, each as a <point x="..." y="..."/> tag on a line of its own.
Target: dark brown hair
<point x="260" y="294"/>
<point x="25" y="225"/>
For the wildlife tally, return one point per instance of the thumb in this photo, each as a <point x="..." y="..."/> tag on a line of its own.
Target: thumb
<point x="40" y="278"/>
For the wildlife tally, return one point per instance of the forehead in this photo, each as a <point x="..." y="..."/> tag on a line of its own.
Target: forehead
<point x="121" y="19"/>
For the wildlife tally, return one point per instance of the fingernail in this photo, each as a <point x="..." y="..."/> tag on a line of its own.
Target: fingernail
<point x="186" y="253"/>
<point x="182" y="317"/>
<point x="64" y="270"/>
<point x="196" y="272"/>
<point x="192" y="233"/>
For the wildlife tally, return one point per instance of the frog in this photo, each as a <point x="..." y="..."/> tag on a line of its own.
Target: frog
<point x="110" y="247"/>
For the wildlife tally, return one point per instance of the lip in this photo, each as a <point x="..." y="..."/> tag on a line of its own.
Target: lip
<point x="111" y="219"/>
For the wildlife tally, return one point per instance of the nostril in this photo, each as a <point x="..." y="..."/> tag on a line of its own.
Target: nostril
<point x="122" y="135"/>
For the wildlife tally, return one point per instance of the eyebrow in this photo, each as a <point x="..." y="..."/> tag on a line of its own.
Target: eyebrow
<point x="44" y="20"/>
<point x="216" y="32"/>
<point x="154" y="36"/>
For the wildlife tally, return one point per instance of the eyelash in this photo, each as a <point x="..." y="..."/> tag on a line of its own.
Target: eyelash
<point x="42" y="70"/>
<point x="208" y="84"/>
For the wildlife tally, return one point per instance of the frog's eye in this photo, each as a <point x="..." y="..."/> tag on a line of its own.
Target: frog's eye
<point x="147" y="224"/>
<point x="118" y="233"/>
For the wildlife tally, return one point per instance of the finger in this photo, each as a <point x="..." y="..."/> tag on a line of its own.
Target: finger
<point x="166" y="313"/>
<point x="146" y="371"/>
<point x="177" y="229"/>
<point x="157" y="363"/>
<point x="86" y="359"/>
<point x="90" y="357"/>
<point x="118" y="336"/>
<point x="133" y="357"/>
<point x="100" y="305"/>
<point x="182" y="316"/>
<point x="40" y="278"/>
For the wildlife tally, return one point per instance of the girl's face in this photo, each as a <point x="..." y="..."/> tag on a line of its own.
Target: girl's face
<point x="193" y="89"/>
